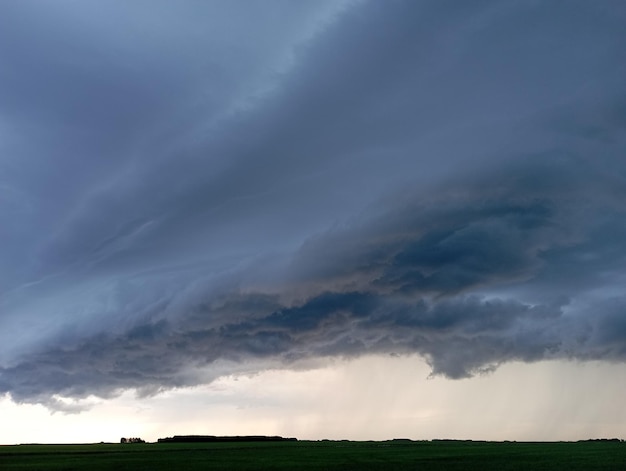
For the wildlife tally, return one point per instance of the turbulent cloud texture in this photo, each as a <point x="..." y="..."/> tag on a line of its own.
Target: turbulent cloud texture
<point x="194" y="189"/>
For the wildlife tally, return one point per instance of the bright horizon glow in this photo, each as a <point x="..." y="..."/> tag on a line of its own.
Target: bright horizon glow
<point x="370" y="398"/>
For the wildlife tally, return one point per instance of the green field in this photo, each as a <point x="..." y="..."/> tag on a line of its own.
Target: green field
<point x="324" y="455"/>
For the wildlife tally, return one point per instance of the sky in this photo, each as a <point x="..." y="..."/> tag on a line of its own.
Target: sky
<point x="341" y="219"/>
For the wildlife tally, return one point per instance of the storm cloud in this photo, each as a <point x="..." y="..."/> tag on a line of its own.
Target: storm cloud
<point x="183" y="199"/>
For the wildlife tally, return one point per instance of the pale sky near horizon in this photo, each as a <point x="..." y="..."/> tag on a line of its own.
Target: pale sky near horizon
<point x="323" y="219"/>
<point x="374" y="398"/>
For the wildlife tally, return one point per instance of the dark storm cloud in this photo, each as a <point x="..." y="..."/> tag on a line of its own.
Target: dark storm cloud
<point x="227" y="184"/>
<point x="548" y="214"/>
<point x="404" y="296"/>
<point x="458" y="337"/>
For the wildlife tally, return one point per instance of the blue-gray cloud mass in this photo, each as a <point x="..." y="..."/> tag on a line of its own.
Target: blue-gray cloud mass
<point x="191" y="189"/>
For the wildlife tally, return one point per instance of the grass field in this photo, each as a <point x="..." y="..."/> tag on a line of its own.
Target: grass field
<point x="324" y="455"/>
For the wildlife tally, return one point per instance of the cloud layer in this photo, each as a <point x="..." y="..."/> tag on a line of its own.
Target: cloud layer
<point x="184" y="199"/>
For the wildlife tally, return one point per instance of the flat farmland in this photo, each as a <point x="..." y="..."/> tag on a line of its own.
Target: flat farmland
<point x="319" y="455"/>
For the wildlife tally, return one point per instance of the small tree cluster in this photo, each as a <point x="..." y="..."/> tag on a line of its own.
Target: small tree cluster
<point x="132" y="440"/>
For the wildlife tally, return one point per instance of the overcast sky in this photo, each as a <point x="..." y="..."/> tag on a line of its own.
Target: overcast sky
<point x="228" y="196"/>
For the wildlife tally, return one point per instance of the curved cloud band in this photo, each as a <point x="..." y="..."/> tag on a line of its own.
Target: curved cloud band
<point x="317" y="180"/>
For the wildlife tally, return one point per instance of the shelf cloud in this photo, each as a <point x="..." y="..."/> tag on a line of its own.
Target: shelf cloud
<point x="192" y="190"/>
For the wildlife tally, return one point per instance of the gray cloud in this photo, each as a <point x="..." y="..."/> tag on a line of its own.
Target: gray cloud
<point x="432" y="279"/>
<point x="220" y="183"/>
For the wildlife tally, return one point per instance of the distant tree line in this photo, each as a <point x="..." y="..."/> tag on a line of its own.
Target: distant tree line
<point x="213" y="438"/>
<point x="602" y="440"/>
